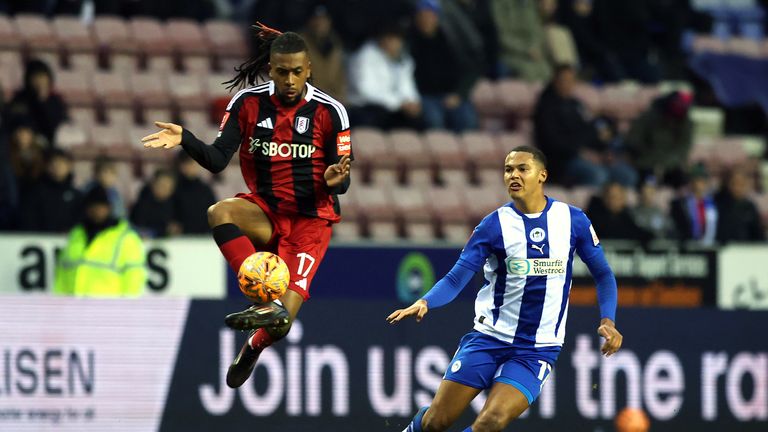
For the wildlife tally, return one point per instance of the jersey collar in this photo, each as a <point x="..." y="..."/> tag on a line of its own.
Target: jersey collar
<point x="523" y="215"/>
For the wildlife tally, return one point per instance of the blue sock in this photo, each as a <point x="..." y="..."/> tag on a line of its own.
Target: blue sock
<point x="415" y="424"/>
<point x="469" y="429"/>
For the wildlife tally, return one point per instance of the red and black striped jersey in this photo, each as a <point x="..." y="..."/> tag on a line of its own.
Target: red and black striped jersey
<point x="284" y="150"/>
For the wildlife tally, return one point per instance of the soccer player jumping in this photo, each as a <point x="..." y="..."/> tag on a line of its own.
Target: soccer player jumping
<point x="525" y="248"/>
<point x="295" y="156"/>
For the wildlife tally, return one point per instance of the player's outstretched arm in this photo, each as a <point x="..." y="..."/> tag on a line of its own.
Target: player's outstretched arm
<point x="613" y="338"/>
<point x="418" y="308"/>
<point x="169" y="136"/>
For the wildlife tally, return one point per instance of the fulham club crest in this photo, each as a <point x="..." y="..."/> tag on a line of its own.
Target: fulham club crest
<point x="302" y="124"/>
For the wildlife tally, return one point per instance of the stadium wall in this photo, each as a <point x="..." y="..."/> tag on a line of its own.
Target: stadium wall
<point x="157" y="364"/>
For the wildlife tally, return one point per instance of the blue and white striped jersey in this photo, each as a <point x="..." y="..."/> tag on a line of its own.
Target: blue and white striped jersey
<point x="527" y="261"/>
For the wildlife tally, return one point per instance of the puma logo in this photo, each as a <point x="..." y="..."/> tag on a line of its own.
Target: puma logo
<point x="539" y="248"/>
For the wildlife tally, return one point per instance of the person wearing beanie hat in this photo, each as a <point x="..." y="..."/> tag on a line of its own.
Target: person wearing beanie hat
<point x="104" y="256"/>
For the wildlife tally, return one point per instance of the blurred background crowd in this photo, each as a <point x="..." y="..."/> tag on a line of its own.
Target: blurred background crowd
<point x="652" y="112"/>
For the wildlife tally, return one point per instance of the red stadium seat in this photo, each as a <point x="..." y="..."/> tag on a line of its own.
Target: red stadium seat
<point x="447" y="204"/>
<point x="491" y="177"/>
<point x="112" y="140"/>
<point x="112" y="89"/>
<point x="384" y="177"/>
<point x="11" y="76"/>
<point x="409" y="148"/>
<point x="483" y="199"/>
<point x="482" y="149"/>
<point x="196" y="120"/>
<point x="71" y="136"/>
<point x="150" y="90"/>
<point x="190" y="43"/>
<point x="420" y="177"/>
<point x="486" y="99"/>
<point x="518" y="97"/>
<point x="509" y="140"/>
<point x="187" y="91"/>
<point x="76" y="88"/>
<point x="620" y="101"/>
<point x="152" y="41"/>
<point x="215" y="87"/>
<point x="114" y="37"/>
<point x="227" y="40"/>
<point x="454" y="178"/>
<point x="373" y="149"/>
<point x="445" y="149"/>
<point x="9" y="36"/>
<point x="36" y="32"/>
<point x="375" y="203"/>
<point x="589" y="96"/>
<point x="77" y="42"/>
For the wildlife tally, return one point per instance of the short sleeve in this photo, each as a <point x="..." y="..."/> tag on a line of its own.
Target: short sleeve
<point x="480" y="243"/>
<point x="586" y="240"/>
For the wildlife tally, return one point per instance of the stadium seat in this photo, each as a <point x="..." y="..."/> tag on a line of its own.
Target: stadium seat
<point x="509" y="140"/>
<point x="589" y="96"/>
<point x="112" y="89"/>
<point x="518" y="97"/>
<point x="114" y="38"/>
<point x="383" y="177"/>
<point x="447" y="204"/>
<point x="483" y="200"/>
<point x="483" y="151"/>
<point x="82" y="170"/>
<point x="376" y="204"/>
<point x="195" y="119"/>
<point x="150" y="90"/>
<point x="76" y="91"/>
<point x="135" y="134"/>
<point x="579" y="196"/>
<point x="485" y="99"/>
<point x="371" y="147"/>
<point x="71" y="136"/>
<point x="492" y="177"/>
<point x="81" y="115"/>
<point x="112" y="140"/>
<point x="454" y="178"/>
<point x="9" y="36"/>
<point x="215" y="87"/>
<point x="228" y="42"/>
<point x="76" y="41"/>
<point x="409" y="148"/>
<point x="152" y="41"/>
<point x="620" y="101"/>
<point x="38" y="36"/>
<point x="347" y="231"/>
<point x="11" y="77"/>
<point x="445" y="149"/>
<point x="187" y="91"/>
<point x="190" y="44"/>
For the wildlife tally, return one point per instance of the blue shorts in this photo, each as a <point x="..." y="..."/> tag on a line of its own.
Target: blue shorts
<point x="482" y="360"/>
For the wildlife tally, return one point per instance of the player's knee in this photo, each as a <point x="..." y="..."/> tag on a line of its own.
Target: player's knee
<point x="434" y="421"/>
<point x="489" y="421"/>
<point x="218" y="214"/>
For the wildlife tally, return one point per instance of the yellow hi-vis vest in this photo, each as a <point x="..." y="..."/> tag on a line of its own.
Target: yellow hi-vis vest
<point x="111" y="265"/>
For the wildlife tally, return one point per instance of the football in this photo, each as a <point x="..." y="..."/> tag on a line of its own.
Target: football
<point x="263" y="277"/>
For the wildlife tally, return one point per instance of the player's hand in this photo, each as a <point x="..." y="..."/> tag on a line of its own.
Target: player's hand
<point x="168" y="137"/>
<point x="612" y="337"/>
<point x="418" y="308"/>
<point x="336" y="174"/>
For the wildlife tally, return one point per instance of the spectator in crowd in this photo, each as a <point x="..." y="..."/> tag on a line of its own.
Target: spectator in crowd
<point x="382" y="88"/>
<point x="476" y="21"/>
<point x="648" y="215"/>
<point x="660" y="139"/>
<point x="558" y="40"/>
<point x="23" y="169"/>
<point x="576" y="146"/>
<point x="103" y="257"/>
<point x="153" y="213"/>
<point x="694" y="213"/>
<point x="326" y="51"/>
<point x="624" y="27"/>
<point x="577" y="16"/>
<point x="738" y="219"/>
<point x="443" y="81"/>
<point x="521" y="39"/>
<point x="9" y="196"/>
<point x="105" y="175"/>
<point x="54" y="204"/>
<point x="611" y="216"/>
<point x="36" y="103"/>
<point x="192" y="196"/>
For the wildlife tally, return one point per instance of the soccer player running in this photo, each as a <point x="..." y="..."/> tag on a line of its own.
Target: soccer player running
<point x="525" y="248"/>
<point x="295" y="157"/>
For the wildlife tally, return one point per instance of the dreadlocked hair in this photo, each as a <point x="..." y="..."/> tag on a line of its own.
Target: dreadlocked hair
<point x="268" y="41"/>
